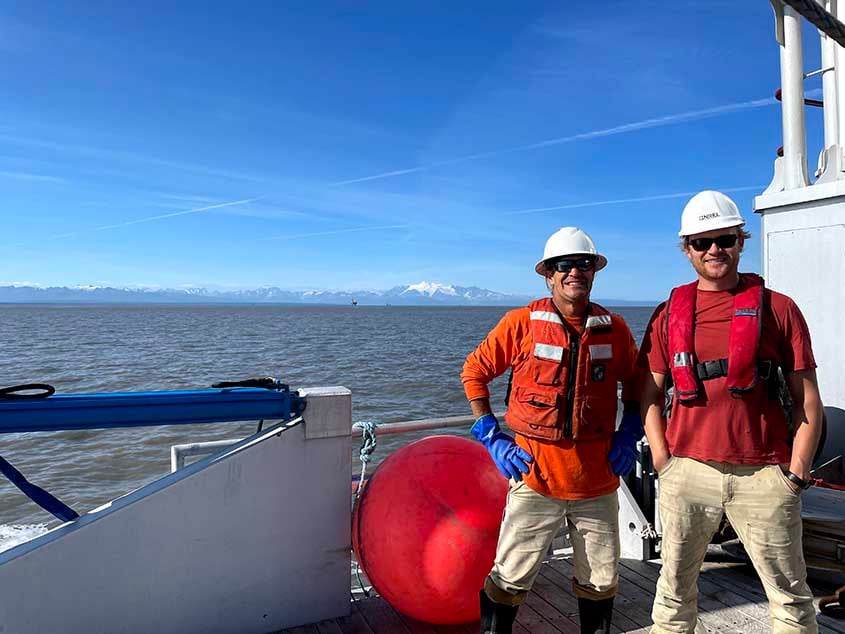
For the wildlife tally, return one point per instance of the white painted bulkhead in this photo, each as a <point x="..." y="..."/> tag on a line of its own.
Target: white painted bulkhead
<point x="248" y="541"/>
<point x="803" y="248"/>
<point x="803" y="224"/>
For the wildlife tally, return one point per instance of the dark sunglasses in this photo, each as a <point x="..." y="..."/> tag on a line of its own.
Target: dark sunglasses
<point x="723" y="242"/>
<point x="567" y="264"/>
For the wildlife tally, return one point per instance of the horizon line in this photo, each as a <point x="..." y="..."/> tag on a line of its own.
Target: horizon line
<point x="217" y="296"/>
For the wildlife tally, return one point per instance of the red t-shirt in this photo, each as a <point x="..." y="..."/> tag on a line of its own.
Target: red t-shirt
<point x="718" y="426"/>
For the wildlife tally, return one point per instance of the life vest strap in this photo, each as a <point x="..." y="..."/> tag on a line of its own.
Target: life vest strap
<point x="717" y="368"/>
<point x="713" y="369"/>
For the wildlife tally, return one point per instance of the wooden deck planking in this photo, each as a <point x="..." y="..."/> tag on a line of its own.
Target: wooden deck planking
<point x="560" y="622"/>
<point x="566" y="601"/>
<point x="329" y="627"/>
<point x="743" y="581"/>
<point x="381" y="617"/>
<point x="731" y="601"/>
<point x="559" y="600"/>
<point x="633" y="613"/>
<point x="418" y="627"/>
<point x="305" y="629"/>
<point x="533" y="620"/>
<point x="353" y="623"/>
<point x="719" y="611"/>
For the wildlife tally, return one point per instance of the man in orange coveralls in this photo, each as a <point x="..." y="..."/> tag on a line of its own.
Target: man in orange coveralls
<point x="727" y="447"/>
<point x="567" y="355"/>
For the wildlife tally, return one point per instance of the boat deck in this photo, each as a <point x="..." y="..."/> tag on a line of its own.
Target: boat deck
<point x="731" y="601"/>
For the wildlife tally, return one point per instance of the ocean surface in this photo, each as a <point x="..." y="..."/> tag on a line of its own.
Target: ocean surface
<point x="401" y="363"/>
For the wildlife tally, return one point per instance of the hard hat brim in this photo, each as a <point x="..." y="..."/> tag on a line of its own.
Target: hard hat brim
<point x="601" y="262"/>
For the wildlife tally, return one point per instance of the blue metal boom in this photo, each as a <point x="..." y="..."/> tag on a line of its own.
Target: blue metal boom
<point x="144" y="409"/>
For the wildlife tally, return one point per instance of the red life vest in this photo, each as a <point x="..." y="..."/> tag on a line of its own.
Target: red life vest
<point x="568" y="388"/>
<point x="741" y="366"/>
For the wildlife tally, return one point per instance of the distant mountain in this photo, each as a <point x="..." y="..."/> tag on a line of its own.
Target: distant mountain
<point x="422" y="294"/>
<point x="434" y="293"/>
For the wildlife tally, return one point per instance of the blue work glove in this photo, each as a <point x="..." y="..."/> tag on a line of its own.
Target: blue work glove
<point x="623" y="450"/>
<point x="511" y="459"/>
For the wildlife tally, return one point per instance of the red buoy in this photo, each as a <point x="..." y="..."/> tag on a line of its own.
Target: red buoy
<point x="426" y="525"/>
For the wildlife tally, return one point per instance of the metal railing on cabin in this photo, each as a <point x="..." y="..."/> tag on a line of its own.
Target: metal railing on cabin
<point x="178" y="453"/>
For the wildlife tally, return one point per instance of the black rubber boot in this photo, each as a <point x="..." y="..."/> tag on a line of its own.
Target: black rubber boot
<point x="496" y="618"/>
<point x="595" y="615"/>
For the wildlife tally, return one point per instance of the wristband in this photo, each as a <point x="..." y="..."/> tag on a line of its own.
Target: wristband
<point x="801" y="483"/>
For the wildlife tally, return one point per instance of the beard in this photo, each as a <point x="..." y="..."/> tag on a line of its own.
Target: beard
<point x="714" y="270"/>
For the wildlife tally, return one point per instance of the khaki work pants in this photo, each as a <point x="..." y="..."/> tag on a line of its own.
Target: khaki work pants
<point x="529" y="525"/>
<point x="765" y="513"/>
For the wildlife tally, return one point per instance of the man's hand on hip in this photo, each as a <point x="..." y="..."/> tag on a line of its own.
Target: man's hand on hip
<point x="511" y="459"/>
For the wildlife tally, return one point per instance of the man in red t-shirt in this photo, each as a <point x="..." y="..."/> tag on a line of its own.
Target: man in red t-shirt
<point x="727" y="447"/>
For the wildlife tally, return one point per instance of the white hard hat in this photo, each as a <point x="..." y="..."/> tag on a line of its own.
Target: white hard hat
<point x="569" y="241"/>
<point x="709" y="210"/>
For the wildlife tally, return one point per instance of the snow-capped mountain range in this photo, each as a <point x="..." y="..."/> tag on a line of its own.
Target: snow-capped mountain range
<point x="421" y="294"/>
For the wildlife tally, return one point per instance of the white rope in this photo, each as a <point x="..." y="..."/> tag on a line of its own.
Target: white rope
<point x="368" y="446"/>
<point x="648" y="531"/>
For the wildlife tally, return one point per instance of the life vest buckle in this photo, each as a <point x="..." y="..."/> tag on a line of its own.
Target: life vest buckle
<point x="712" y="369"/>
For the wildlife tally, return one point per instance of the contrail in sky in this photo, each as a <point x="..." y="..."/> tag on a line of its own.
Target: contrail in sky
<point x="185" y="212"/>
<point x="332" y="233"/>
<point x="620" y="201"/>
<point x="655" y="122"/>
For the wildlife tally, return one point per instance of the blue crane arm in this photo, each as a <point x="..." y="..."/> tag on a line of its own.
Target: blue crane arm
<point x="144" y="409"/>
<point x="21" y="413"/>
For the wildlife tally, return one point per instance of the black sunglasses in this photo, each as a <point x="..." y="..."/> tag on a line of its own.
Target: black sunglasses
<point x="725" y="241"/>
<point x="567" y="264"/>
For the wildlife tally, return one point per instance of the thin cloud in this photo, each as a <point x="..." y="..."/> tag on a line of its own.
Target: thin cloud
<point x="186" y="198"/>
<point x="656" y="122"/>
<point x="104" y="154"/>
<point x="159" y="217"/>
<point x="621" y="201"/>
<point x="332" y="233"/>
<point x="28" y="176"/>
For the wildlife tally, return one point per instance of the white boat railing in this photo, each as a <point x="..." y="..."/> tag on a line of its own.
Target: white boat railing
<point x="178" y="453"/>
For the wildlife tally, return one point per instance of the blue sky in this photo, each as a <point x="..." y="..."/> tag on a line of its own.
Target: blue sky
<point x="319" y="145"/>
